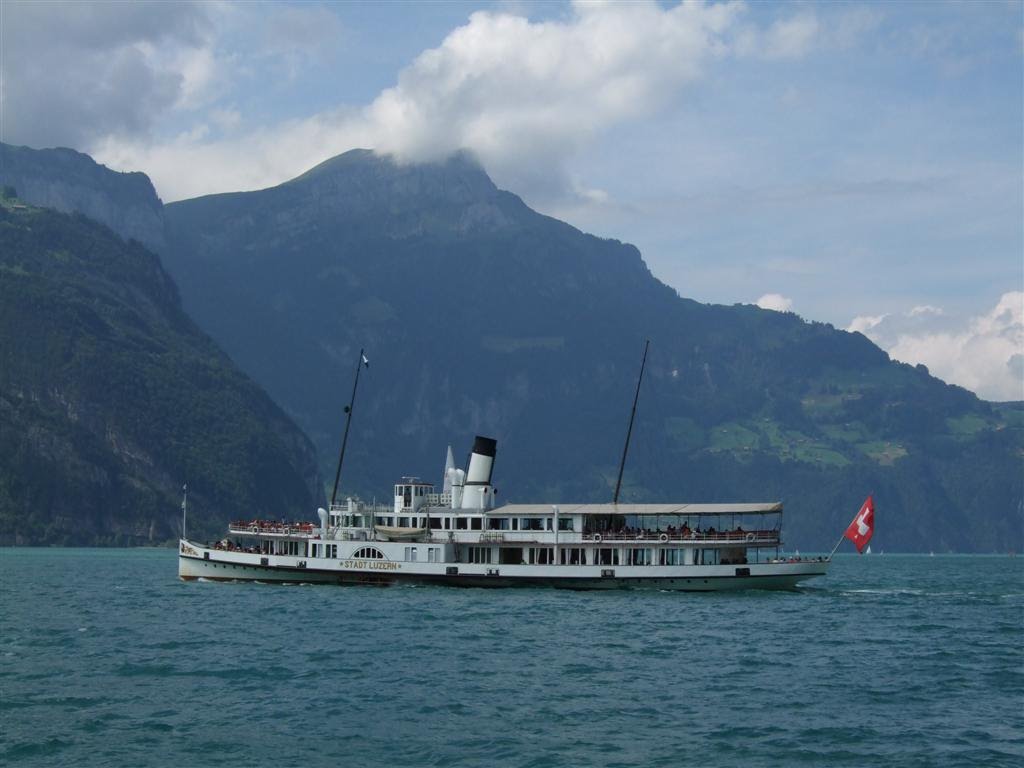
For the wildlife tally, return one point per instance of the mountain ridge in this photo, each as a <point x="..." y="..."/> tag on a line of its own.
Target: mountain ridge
<point x="545" y="320"/>
<point x="481" y="315"/>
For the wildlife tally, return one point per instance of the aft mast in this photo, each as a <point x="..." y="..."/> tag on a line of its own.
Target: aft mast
<point x="632" y="416"/>
<point x="348" y="421"/>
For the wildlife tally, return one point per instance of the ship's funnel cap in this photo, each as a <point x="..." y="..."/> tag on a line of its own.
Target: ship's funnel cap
<point x="481" y="461"/>
<point x="485" y="446"/>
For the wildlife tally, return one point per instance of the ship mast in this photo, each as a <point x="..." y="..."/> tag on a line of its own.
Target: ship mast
<point x="348" y="421"/>
<point x="632" y="416"/>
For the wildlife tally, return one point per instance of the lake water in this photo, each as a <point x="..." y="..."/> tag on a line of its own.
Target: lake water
<point x="107" y="659"/>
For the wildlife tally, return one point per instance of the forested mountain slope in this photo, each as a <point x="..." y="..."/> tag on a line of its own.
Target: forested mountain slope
<point x="111" y="399"/>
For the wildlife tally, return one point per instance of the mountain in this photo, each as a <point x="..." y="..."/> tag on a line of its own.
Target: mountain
<point x="70" y="181"/>
<point x="480" y="315"/>
<point x="111" y="398"/>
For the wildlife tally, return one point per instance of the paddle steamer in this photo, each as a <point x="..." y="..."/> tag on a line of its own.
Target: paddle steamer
<point x="459" y="536"/>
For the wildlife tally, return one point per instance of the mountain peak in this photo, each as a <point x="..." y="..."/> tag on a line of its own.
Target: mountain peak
<point x="458" y="178"/>
<point x="69" y="181"/>
<point x="361" y="191"/>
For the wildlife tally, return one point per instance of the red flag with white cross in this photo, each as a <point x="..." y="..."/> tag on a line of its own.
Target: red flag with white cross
<point x="863" y="525"/>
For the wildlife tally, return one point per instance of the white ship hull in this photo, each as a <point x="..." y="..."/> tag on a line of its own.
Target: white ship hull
<point x="198" y="562"/>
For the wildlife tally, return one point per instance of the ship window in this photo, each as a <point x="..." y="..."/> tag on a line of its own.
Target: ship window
<point x="403" y="522"/>
<point x="367" y="553"/>
<point x="511" y="556"/>
<point x="476" y="523"/>
<point x="461" y="523"/>
<point x="565" y="524"/>
<point x="547" y="523"/>
<point x="515" y="523"/>
<point x="435" y="523"/>
<point x="638" y="557"/>
<point x="573" y="556"/>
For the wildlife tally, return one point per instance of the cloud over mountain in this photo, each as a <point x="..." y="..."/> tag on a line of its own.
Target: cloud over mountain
<point x="776" y="302"/>
<point x="984" y="353"/>
<point x="522" y="95"/>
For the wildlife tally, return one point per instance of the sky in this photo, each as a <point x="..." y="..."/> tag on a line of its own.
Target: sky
<point x="857" y="163"/>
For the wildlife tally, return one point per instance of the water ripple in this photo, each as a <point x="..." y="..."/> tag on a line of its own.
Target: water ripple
<point x="895" y="660"/>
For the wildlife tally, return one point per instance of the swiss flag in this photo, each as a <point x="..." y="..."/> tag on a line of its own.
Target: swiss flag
<point x="863" y="525"/>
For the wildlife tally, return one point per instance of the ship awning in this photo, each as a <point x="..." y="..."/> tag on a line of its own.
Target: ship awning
<point x="637" y="510"/>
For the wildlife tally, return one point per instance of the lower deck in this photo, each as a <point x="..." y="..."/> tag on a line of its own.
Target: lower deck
<point x="198" y="562"/>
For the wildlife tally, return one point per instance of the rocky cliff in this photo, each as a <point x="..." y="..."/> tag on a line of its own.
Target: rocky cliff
<point x="69" y="181"/>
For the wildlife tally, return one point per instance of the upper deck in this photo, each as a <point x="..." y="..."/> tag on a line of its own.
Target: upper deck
<point x="638" y="510"/>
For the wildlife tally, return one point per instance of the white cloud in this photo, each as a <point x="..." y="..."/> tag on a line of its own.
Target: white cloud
<point x="524" y="96"/>
<point x="75" y="72"/>
<point x="864" y="323"/>
<point x="984" y="353"/>
<point x="784" y="39"/>
<point x="791" y="38"/>
<point x="775" y="302"/>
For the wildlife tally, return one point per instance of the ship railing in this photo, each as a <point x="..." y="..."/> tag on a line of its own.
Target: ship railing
<point x="362" y="508"/>
<point x="271" y="526"/>
<point x="514" y="537"/>
<point x="740" y="538"/>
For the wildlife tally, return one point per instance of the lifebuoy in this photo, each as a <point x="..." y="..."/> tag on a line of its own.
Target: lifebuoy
<point x="597" y="538"/>
<point x="750" y="537"/>
<point x="663" y="537"/>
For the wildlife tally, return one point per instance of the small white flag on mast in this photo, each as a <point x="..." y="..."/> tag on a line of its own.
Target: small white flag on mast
<point x="184" y="507"/>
